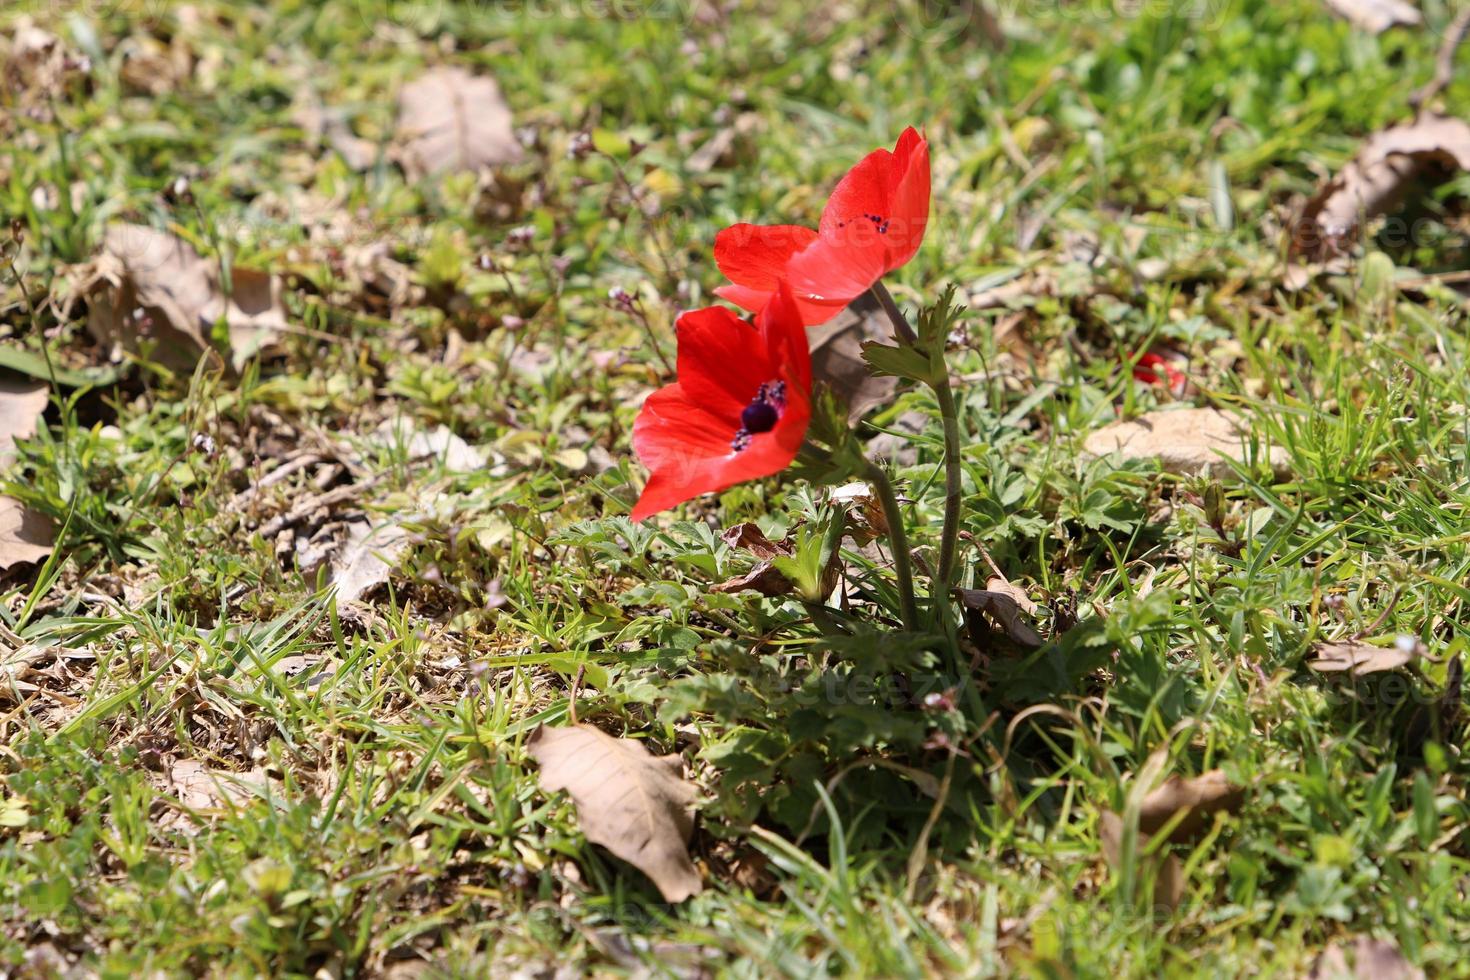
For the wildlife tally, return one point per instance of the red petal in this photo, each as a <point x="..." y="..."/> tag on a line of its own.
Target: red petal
<point x="1144" y="371"/>
<point x="862" y="191"/>
<point x="910" y="198"/>
<point x="832" y="273"/>
<point x="722" y="361"/>
<point x="891" y="187"/>
<point x="756" y="255"/>
<point x="784" y="333"/>
<point x="812" y="312"/>
<point x="745" y="297"/>
<point x="684" y="431"/>
<point x="688" y="450"/>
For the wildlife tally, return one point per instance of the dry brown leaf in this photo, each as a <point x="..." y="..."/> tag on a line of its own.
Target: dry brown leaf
<point x="837" y="357"/>
<point x="1198" y="798"/>
<point x="254" y="312"/>
<point x="25" y="535"/>
<point x="1017" y="594"/>
<point x="1004" y="608"/>
<point x="865" y="517"/>
<point x="451" y="120"/>
<point x="1165" y="868"/>
<point x="22" y="401"/>
<point x="372" y="267"/>
<point x="1377" y="16"/>
<point x="1373" y="183"/>
<point x="1201" y="797"/>
<point x="1365" y="958"/>
<point x="754" y="540"/>
<point x="330" y="126"/>
<point x="1361" y="658"/>
<point x="359" y="154"/>
<point x="1186" y="441"/>
<point x="763" y="578"/>
<point x="200" y="788"/>
<point x="150" y="285"/>
<point x="369" y="555"/>
<point x="635" y="804"/>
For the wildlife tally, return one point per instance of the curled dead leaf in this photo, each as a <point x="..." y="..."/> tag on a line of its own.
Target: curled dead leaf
<point x="635" y="804"/>
<point x="1187" y="441"/>
<point x="451" y="120"/>
<point x="1017" y="594"/>
<point x="865" y="517"/>
<point x="1194" y="801"/>
<point x="371" y="267"/>
<point x="439" y="444"/>
<point x="38" y="67"/>
<point x="763" y="578"/>
<point x="754" y="540"/>
<point x="1200" y="797"/>
<point x="1162" y="867"/>
<point x="1359" y="658"/>
<point x="1385" y="167"/>
<point x="1005" y="610"/>
<point x="330" y="126"/>
<point x="150" y="67"/>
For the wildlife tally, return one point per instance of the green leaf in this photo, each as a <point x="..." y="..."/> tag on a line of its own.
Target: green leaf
<point x="613" y="144"/>
<point x="899" y="362"/>
<point x="34" y="365"/>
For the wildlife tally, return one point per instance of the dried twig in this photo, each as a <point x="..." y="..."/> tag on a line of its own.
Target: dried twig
<point x="1444" y="62"/>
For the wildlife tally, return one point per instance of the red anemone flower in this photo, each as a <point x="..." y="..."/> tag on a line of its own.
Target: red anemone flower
<point x="739" y="410"/>
<point x="1148" y="367"/>
<point x="872" y="224"/>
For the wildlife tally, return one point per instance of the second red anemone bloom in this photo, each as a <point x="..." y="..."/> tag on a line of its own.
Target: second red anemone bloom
<point x="738" y="411"/>
<point x="1148" y="366"/>
<point x="872" y="224"/>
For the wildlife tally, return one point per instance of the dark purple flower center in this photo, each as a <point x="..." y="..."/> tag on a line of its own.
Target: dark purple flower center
<point x="759" y="417"/>
<point x="762" y="414"/>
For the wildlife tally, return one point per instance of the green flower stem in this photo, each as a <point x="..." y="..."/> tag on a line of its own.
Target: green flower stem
<point x="944" y="392"/>
<point x="899" y="541"/>
<point x="902" y="332"/>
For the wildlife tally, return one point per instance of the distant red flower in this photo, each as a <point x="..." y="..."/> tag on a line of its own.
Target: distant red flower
<point x="1148" y="367"/>
<point x="739" y="410"/>
<point x="872" y="224"/>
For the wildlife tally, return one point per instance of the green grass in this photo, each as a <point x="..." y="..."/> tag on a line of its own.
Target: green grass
<point x="387" y="812"/>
